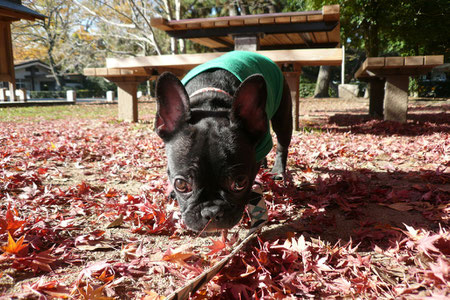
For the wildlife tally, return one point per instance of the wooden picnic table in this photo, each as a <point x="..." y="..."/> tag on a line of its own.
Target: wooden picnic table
<point x="388" y="78"/>
<point x="286" y="38"/>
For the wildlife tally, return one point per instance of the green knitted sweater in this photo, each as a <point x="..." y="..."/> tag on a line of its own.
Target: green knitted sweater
<point x="243" y="64"/>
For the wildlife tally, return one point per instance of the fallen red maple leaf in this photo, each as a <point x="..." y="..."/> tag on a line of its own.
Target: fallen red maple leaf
<point x="216" y="247"/>
<point x="9" y="223"/>
<point x="441" y="270"/>
<point x="426" y="243"/>
<point x="177" y="256"/>
<point x="38" y="261"/>
<point x="52" y="288"/>
<point x="16" y="248"/>
<point x="91" y="293"/>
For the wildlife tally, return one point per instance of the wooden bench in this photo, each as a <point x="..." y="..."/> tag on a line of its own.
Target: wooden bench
<point x="128" y="73"/>
<point x="388" y="78"/>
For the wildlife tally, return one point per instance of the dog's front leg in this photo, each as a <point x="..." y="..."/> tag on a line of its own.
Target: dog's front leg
<point x="282" y="126"/>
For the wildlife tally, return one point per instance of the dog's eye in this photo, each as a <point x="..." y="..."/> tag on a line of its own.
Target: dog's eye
<point x="182" y="186"/>
<point x="239" y="184"/>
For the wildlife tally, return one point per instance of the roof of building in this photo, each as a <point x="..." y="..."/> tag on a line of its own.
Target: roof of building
<point x="29" y="62"/>
<point x="14" y="10"/>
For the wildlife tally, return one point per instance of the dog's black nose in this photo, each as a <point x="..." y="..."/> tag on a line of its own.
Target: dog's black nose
<point x="212" y="212"/>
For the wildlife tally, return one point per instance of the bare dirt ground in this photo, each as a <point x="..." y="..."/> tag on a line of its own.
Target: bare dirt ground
<point x="363" y="212"/>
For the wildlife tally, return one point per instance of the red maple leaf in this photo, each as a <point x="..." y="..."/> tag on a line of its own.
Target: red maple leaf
<point x="216" y="247"/>
<point x="16" y="248"/>
<point x="52" y="288"/>
<point x="426" y="243"/>
<point x="9" y="222"/>
<point x="38" y="261"/>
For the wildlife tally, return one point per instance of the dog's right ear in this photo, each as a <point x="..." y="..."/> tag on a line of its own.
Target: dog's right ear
<point x="172" y="105"/>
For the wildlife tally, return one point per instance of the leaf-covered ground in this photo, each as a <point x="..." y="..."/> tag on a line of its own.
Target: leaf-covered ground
<point x="364" y="212"/>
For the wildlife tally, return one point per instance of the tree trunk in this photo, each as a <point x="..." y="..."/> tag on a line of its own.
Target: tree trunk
<point x="181" y="42"/>
<point x="173" y="42"/>
<point x="323" y="82"/>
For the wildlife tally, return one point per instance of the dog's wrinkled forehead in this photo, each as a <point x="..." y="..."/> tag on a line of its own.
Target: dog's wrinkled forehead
<point x="204" y="142"/>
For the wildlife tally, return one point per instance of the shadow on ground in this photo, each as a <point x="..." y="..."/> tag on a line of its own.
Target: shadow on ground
<point x="366" y="207"/>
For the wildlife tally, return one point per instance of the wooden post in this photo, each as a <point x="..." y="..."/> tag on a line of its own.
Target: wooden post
<point x="376" y="97"/>
<point x="293" y="80"/>
<point x="2" y="94"/>
<point x="7" y="58"/>
<point x="396" y="98"/>
<point x="128" y="105"/>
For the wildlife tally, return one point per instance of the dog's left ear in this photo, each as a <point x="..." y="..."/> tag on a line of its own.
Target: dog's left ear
<point x="249" y="106"/>
<point x="172" y="105"/>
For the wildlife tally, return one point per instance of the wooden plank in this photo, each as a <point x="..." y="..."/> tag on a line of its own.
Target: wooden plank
<point x="434" y="60"/>
<point x="284" y="19"/>
<point x="90" y="72"/>
<point x="331" y="12"/>
<point x="361" y="72"/>
<point x="298" y="19"/>
<point x="208" y="43"/>
<point x="393" y="62"/>
<point x="321" y="37"/>
<point x="251" y="21"/>
<point x="207" y="24"/>
<point x="267" y="20"/>
<point x="375" y="62"/>
<point x="334" y="36"/>
<point x="282" y="39"/>
<point x="179" y="26"/>
<point x="306" y="57"/>
<point x="117" y="72"/>
<point x="5" y="77"/>
<point x="3" y="50"/>
<point x="160" y="23"/>
<point x="414" y="61"/>
<point x="236" y="22"/>
<point x="295" y="38"/>
<point x="221" y="23"/>
<point x="194" y="26"/>
<point x="270" y="39"/>
<point x="227" y="39"/>
<point x="315" y="18"/>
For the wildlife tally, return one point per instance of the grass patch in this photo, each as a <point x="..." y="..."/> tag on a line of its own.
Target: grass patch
<point x="79" y="111"/>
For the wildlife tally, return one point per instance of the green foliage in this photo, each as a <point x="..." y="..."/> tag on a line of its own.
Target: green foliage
<point x="437" y="89"/>
<point x="306" y="90"/>
<point x="99" y="85"/>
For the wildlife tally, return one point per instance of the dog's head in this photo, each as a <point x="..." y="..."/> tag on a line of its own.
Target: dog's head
<point x="211" y="154"/>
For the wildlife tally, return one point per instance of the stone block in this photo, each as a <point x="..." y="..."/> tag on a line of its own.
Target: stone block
<point x="348" y="91"/>
<point x="396" y="98"/>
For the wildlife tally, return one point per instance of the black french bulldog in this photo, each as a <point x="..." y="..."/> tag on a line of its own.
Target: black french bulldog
<point x="211" y="128"/>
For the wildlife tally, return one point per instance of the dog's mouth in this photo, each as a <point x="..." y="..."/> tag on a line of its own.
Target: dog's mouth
<point x="213" y="215"/>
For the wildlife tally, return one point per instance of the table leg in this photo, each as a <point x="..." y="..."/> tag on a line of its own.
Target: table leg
<point x="376" y="97"/>
<point x="293" y="80"/>
<point x="127" y="101"/>
<point x="396" y="98"/>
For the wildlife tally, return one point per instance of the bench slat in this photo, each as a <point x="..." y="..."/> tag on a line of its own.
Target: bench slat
<point x="305" y="57"/>
<point x="408" y="65"/>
